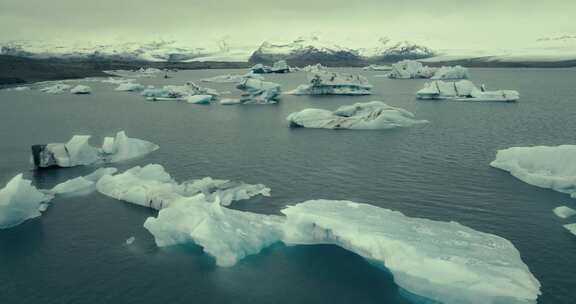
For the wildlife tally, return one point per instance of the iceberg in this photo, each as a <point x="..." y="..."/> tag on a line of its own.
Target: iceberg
<point x="359" y="116"/>
<point x="410" y="69"/>
<point x="151" y="186"/>
<point x="176" y="92"/>
<point x="129" y="87"/>
<point x="451" y="72"/>
<point x="571" y="228"/>
<point x="374" y="67"/>
<point x="564" y="212"/>
<point x="323" y="82"/>
<point x="199" y="99"/>
<point x="78" y="151"/>
<point x="313" y="68"/>
<point x="230" y="101"/>
<point x="81" y="184"/>
<point x="259" y="92"/>
<point x="463" y="90"/>
<point x="552" y="167"/>
<point x="229" y="78"/>
<point x="81" y="89"/>
<point x="279" y="66"/>
<point x="57" y="88"/>
<point x="227" y="235"/>
<point x="441" y="261"/>
<point x="20" y="201"/>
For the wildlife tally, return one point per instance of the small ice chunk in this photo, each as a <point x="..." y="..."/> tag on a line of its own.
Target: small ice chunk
<point x="20" y="201"/>
<point x="125" y="148"/>
<point x="571" y="228"/>
<point x="130" y="240"/>
<point x="129" y="87"/>
<point x="564" y="212"/>
<point x="359" y="116"/>
<point x="230" y="101"/>
<point x="199" y="99"/>
<point x="81" y="89"/>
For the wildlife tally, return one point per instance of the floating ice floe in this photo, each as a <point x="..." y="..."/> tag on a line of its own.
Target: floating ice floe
<point x="116" y="80"/>
<point x="20" y="201"/>
<point x="313" y="68"/>
<point x="359" y="116"/>
<point x="57" y="88"/>
<point x="564" y="212"/>
<point x="176" y="92"/>
<point x="129" y="87"/>
<point x="82" y="184"/>
<point x="442" y="261"/>
<point x="81" y="89"/>
<point x="259" y="92"/>
<point x="374" y="67"/>
<point x="230" y="78"/>
<point x="571" y="228"/>
<point x="278" y="67"/>
<point x="230" y="101"/>
<point x="463" y="90"/>
<point x="78" y="151"/>
<point x="18" y="89"/>
<point x="410" y="69"/>
<point x="451" y="72"/>
<point x="323" y="82"/>
<point x="552" y="167"/>
<point x="199" y="99"/>
<point x="151" y="186"/>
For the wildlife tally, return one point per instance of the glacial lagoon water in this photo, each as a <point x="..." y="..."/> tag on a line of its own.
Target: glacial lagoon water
<point x="77" y="252"/>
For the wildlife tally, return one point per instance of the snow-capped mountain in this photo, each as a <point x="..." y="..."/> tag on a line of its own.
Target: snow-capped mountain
<point x="308" y="50"/>
<point x="389" y="51"/>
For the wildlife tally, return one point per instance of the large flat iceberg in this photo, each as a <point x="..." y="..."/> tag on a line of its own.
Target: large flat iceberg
<point x="324" y="82"/>
<point x="20" y="201"/>
<point x="359" y="116"/>
<point x="442" y="261"/>
<point x="463" y="90"/>
<point x="151" y="186"/>
<point x="176" y="92"/>
<point x="552" y="167"/>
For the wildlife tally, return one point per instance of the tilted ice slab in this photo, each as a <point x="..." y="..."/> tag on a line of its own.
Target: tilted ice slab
<point x="564" y="212"/>
<point x="463" y="90"/>
<point x="227" y="235"/>
<point x="78" y="151"/>
<point x="82" y="184"/>
<point x="443" y="261"/>
<point x="324" y="82"/>
<point x="20" y="201"/>
<point x="258" y="91"/>
<point x="552" y="167"/>
<point x="571" y="228"/>
<point x="151" y="186"/>
<point x="360" y="116"/>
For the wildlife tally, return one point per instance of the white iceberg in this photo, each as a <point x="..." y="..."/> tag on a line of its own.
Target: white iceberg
<point x="230" y="101"/>
<point x="57" y="88"/>
<point x="451" y="72"/>
<point x="571" y="228"/>
<point x="20" y="201"/>
<point x="410" y="69"/>
<point x="360" y="116"/>
<point x="463" y="90"/>
<point x="81" y="89"/>
<point x="279" y="66"/>
<point x="542" y="166"/>
<point x="442" y="261"/>
<point x="129" y="87"/>
<point x="151" y="186"/>
<point x="81" y="184"/>
<point x="78" y="151"/>
<point x="564" y="212"/>
<point x="323" y="82"/>
<point x="18" y="89"/>
<point x="259" y="92"/>
<point x="177" y="92"/>
<point x="199" y="99"/>
<point x="227" y="235"/>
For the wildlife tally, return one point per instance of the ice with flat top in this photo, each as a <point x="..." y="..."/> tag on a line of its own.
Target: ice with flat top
<point x="564" y="212"/>
<point x="552" y="167"/>
<point x="232" y="78"/>
<point x="463" y="90"/>
<point x="359" y="116"/>
<point x="325" y="82"/>
<point x="81" y="90"/>
<point x="20" y="201"/>
<point x="151" y="186"/>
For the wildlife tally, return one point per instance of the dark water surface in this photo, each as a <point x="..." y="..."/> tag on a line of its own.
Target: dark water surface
<point x="75" y="252"/>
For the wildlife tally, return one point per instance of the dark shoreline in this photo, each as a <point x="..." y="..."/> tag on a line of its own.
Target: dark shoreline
<point x="20" y="70"/>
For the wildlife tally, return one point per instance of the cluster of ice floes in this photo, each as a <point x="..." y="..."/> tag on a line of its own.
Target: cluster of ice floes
<point x="151" y="186"/>
<point x="257" y="91"/>
<point x="312" y="68"/>
<point x="441" y="261"/>
<point x="360" y="116"/>
<point x="410" y="69"/>
<point x="60" y="88"/>
<point x="185" y="92"/>
<point x="278" y="67"/>
<point x="230" y="78"/>
<point x="78" y="151"/>
<point x="464" y="90"/>
<point x="324" y="82"/>
<point x="552" y="167"/>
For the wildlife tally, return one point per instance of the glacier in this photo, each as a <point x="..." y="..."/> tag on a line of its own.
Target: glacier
<point x="259" y="92"/>
<point x="324" y="82"/>
<point x="552" y="167"/>
<point x="20" y="201"/>
<point x="78" y="151"/>
<point x="564" y="212"/>
<point x="359" y="116"/>
<point x="464" y="90"/>
<point x="151" y="186"/>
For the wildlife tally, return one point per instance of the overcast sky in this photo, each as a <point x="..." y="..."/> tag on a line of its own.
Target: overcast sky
<point x="449" y="23"/>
